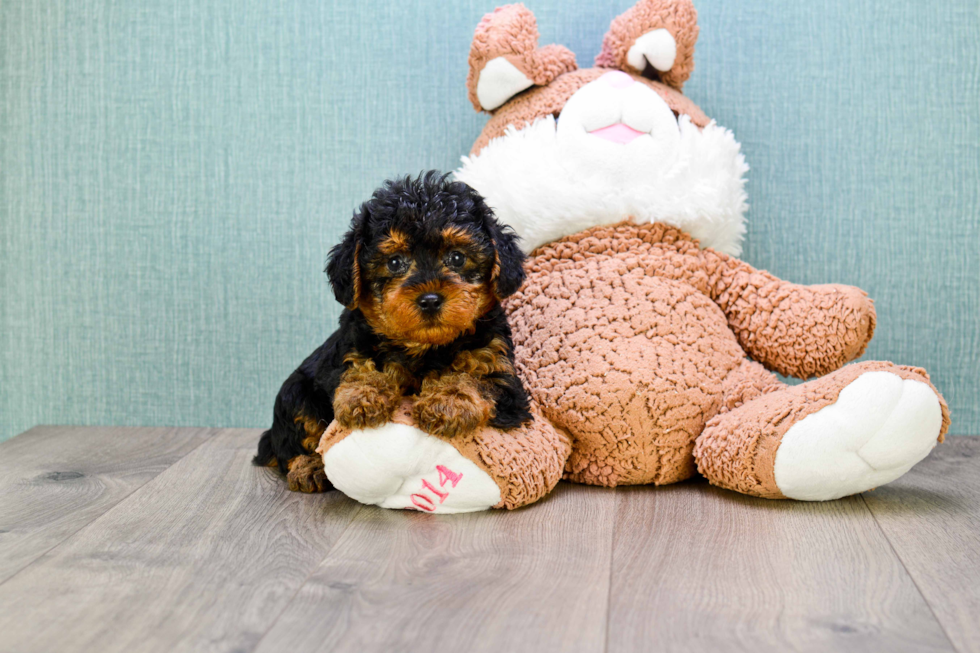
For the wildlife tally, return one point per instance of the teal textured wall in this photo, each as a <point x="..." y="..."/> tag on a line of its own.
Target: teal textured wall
<point x="173" y="172"/>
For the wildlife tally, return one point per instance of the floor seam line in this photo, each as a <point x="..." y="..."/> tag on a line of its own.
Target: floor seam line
<point x="110" y="509"/>
<point x="612" y="555"/>
<point x="299" y="587"/>
<point x="908" y="573"/>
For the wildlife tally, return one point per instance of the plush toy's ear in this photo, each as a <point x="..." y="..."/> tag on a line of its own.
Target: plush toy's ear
<point x="343" y="265"/>
<point x="505" y="58"/>
<point x="508" y="273"/>
<point x="654" y="38"/>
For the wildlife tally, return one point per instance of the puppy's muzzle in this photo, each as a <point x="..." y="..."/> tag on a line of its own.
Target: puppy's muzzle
<point x="430" y="303"/>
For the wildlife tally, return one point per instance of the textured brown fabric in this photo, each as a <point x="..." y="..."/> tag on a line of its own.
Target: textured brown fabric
<point x="738" y="448"/>
<point x="676" y="16"/>
<point x="619" y="338"/>
<point x="800" y="331"/>
<point x="634" y="340"/>
<point x="511" y="31"/>
<point x="526" y="463"/>
<point x="547" y="100"/>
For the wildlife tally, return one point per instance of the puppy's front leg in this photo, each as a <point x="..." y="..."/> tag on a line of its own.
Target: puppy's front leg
<point x="366" y="396"/>
<point x="462" y="397"/>
<point x="451" y="404"/>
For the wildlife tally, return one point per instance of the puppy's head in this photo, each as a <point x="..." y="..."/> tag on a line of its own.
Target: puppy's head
<point x="424" y="259"/>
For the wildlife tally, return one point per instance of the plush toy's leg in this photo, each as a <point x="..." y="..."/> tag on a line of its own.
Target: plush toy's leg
<point x="634" y="419"/>
<point x="634" y="406"/>
<point x="850" y="431"/>
<point x="399" y="466"/>
<point x="746" y="382"/>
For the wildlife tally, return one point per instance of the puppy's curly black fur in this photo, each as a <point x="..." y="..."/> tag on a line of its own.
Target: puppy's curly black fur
<point x="421" y="273"/>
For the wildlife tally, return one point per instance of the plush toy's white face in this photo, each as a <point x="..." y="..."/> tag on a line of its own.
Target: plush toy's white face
<point x="621" y="122"/>
<point x="615" y="152"/>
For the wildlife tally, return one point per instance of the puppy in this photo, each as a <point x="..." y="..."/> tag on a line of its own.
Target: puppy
<point x="421" y="274"/>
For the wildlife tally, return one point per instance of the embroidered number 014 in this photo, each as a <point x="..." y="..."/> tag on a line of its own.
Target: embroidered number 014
<point x="423" y="501"/>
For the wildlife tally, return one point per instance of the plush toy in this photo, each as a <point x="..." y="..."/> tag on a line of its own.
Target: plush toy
<point x="639" y="335"/>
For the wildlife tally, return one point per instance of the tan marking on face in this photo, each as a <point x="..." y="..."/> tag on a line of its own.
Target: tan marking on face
<point x="395" y="242"/>
<point x="398" y="318"/>
<point x="456" y="236"/>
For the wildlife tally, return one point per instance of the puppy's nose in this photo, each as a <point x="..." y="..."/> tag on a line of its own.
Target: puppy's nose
<point x="430" y="302"/>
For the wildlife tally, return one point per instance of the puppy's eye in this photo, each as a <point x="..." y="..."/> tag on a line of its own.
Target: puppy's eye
<point x="456" y="259"/>
<point x="396" y="264"/>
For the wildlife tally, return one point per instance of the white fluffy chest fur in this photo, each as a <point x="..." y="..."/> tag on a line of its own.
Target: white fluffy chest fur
<point x="555" y="178"/>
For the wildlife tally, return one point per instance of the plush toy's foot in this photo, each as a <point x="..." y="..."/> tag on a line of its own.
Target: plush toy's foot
<point x="856" y="429"/>
<point x="399" y="466"/>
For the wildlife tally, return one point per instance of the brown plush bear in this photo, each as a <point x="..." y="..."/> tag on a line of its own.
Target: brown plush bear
<point x="646" y="345"/>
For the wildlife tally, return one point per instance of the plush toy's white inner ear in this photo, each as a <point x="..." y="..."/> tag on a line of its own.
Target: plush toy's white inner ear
<point x="499" y="81"/>
<point x="658" y="47"/>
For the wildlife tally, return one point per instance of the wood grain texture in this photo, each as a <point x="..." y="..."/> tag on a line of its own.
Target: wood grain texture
<point x="56" y="479"/>
<point x="211" y="554"/>
<point x="701" y="569"/>
<point x="532" y="580"/>
<point x="931" y="516"/>
<point x="201" y="558"/>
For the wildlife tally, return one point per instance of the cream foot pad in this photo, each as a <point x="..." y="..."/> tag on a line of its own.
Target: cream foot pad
<point x="399" y="466"/>
<point x="879" y="427"/>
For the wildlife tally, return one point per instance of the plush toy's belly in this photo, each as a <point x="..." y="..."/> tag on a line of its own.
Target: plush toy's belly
<point x="631" y="364"/>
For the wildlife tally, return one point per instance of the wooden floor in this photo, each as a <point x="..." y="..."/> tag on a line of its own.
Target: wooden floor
<point x="154" y="539"/>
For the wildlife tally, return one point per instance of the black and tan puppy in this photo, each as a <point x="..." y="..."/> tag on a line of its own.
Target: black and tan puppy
<point x="421" y="274"/>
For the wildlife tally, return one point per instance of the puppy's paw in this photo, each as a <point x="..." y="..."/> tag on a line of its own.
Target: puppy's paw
<point x="306" y="475"/>
<point x="364" y="405"/>
<point x="451" y="406"/>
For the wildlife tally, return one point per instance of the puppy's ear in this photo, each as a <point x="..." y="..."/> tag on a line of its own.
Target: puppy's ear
<point x="507" y="274"/>
<point x="343" y="266"/>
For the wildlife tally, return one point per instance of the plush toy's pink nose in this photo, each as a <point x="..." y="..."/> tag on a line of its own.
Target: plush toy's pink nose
<point x="618" y="79"/>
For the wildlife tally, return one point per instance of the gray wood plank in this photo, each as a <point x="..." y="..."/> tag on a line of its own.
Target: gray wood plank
<point x="201" y="558"/>
<point x="530" y="580"/>
<point x="696" y="568"/>
<point x="56" y="479"/>
<point x="931" y="516"/>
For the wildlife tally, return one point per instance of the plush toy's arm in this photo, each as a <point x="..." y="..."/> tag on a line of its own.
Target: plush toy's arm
<point x="800" y="331"/>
